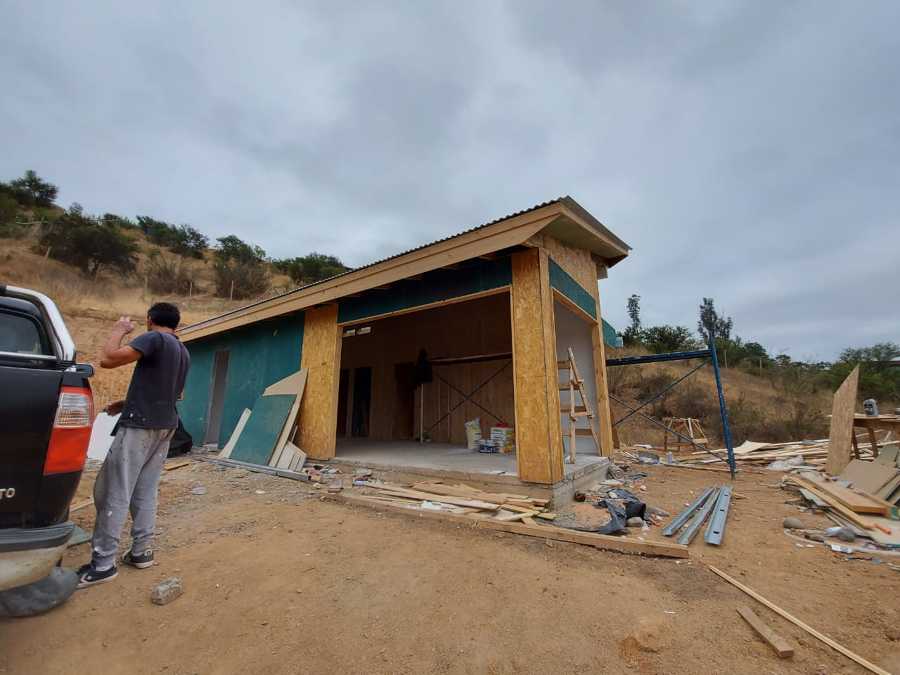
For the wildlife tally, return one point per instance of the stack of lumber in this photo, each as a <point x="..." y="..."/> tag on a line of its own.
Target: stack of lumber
<point x="461" y="498"/>
<point x="863" y="511"/>
<point x="751" y="453"/>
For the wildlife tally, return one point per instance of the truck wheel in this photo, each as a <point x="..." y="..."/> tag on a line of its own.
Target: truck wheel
<point x="40" y="596"/>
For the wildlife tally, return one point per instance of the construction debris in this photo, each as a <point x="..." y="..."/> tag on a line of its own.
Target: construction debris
<point x="781" y="646"/>
<point x="715" y="501"/>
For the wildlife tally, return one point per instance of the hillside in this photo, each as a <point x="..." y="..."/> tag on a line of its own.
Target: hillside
<point x="759" y="408"/>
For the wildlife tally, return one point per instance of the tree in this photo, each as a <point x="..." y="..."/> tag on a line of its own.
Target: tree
<point x="711" y="321"/>
<point x="310" y="268"/>
<point x="118" y="221"/>
<point x="878" y="378"/>
<point x="32" y="190"/>
<point x="89" y="243"/>
<point x="189" y="242"/>
<point x="632" y="334"/>
<point x="662" y="339"/>
<point x="8" y="209"/>
<point x="240" y="269"/>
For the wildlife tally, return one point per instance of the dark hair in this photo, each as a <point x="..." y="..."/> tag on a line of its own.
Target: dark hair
<point x="164" y="314"/>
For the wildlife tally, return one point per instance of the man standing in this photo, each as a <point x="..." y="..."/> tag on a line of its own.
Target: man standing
<point x="129" y="478"/>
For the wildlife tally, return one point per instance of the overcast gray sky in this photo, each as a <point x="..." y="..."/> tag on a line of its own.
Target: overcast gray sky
<point x="748" y="151"/>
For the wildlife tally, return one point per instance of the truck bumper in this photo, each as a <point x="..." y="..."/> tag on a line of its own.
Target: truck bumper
<point x="28" y="555"/>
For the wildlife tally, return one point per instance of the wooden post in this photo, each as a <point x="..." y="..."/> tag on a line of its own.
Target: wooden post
<point x="231" y="294"/>
<point x="539" y="450"/>
<point x="322" y="357"/>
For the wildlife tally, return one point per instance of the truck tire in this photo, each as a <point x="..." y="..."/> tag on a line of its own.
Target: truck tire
<point x="40" y="596"/>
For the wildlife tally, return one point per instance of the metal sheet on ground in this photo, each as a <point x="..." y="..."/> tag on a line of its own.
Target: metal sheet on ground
<point x="257" y="440"/>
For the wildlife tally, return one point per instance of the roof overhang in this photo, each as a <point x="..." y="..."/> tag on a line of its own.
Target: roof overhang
<point x="564" y="219"/>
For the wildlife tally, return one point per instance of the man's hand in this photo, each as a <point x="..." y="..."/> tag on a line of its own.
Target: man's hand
<point x="114" y="408"/>
<point x="124" y="325"/>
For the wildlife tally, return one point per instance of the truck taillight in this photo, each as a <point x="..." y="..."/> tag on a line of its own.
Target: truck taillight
<point x="71" y="431"/>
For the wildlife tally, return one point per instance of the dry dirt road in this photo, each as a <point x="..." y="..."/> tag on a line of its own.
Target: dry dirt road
<point x="278" y="580"/>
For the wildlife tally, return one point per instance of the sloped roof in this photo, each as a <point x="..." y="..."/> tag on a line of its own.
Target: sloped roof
<point x="567" y="210"/>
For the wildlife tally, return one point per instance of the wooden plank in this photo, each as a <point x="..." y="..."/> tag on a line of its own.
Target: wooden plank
<point x="512" y="516"/>
<point x="781" y="646"/>
<point x="832" y="502"/>
<point x="235" y="435"/>
<point x="538" y="433"/>
<point x="458" y="501"/>
<point x="600" y="541"/>
<point x="289" y="385"/>
<point x="855" y="501"/>
<point x="81" y="505"/>
<point x="280" y="457"/>
<point x="177" y="465"/>
<point x="868" y="476"/>
<point x="322" y="358"/>
<point x="843" y="411"/>
<point x="816" y="634"/>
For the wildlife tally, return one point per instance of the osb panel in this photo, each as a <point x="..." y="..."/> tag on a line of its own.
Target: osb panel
<point x="843" y="410"/>
<point x="603" y="408"/>
<point x="468" y="328"/>
<point x="576" y="261"/>
<point x="322" y="357"/>
<point x="539" y="454"/>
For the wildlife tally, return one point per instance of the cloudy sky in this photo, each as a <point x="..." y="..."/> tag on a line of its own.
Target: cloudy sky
<point x="747" y="151"/>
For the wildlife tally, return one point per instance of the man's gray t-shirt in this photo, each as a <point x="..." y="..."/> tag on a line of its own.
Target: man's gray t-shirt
<point x="157" y="382"/>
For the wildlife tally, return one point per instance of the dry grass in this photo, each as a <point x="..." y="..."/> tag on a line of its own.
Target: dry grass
<point x="758" y="407"/>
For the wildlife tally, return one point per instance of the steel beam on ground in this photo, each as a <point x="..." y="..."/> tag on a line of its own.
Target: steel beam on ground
<point x="716" y="528"/>
<point x="656" y="358"/>
<point x="682" y="517"/>
<point x="691" y="530"/>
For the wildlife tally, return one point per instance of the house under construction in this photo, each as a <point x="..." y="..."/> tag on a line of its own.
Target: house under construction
<point x="401" y="353"/>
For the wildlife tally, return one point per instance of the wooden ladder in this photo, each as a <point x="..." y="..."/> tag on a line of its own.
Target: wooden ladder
<point x="576" y="384"/>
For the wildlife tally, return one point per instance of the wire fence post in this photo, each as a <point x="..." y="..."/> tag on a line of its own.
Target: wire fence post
<point x="726" y="429"/>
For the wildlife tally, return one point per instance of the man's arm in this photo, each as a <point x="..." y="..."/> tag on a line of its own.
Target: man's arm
<point x="113" y="353"/>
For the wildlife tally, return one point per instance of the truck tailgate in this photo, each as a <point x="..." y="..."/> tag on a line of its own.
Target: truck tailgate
<point x="28" y="401"/>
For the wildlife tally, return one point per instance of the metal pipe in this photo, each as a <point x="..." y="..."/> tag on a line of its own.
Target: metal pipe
<point x="656" y="358"/>
<point x="682" y="517"/>
<point x="723" y="411"/>
<point x="691" y="530"/>
<point x="650" y="400"/>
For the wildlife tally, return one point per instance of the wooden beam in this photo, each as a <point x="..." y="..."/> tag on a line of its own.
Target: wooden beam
<point x="843" y="411"/>
<point x="321" y="356"/>
<point x="600" y="541"/>
<point x="850" y="515"/>
<point x="538" y="433"/>
<point x="431" y="305"/>
<point x="604" y="415"/>
<point x="794" y="620"/>
<point x="781" y="646"/>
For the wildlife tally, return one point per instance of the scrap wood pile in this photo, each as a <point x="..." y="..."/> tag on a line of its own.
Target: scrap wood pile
<point x="865" y="520"/>
<point x="479" y="509"/>
<point x="464" y="499"/>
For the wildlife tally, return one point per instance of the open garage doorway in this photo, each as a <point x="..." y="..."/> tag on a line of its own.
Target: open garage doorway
<point x="423" y="375"/>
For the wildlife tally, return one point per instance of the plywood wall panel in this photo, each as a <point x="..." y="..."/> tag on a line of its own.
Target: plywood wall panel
<point x="538" y="435"/>
<point x="321" y="356"/>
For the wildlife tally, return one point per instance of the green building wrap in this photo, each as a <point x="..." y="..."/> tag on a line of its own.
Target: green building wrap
<point x="565" y="284"/>
<point x="258" y="355"/>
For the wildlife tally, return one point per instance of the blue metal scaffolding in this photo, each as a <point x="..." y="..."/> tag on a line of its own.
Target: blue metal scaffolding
<point x="710" y="354"/>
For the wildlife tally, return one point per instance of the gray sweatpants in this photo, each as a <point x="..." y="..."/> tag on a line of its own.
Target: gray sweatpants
<point x="128" y="479"/>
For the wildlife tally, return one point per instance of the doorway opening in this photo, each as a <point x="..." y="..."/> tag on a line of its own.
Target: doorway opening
<point x="216" y="398"/>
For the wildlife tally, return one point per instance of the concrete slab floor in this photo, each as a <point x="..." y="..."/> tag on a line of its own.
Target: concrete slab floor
<point x="439" y="457"/>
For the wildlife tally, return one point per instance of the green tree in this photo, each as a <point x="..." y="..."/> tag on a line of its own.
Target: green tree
<point x="310" y="268"/>
<point x="879" y="376"/>
<point x="632" y="335"/>
<point x="662" y="339"/>
<point x="711" y="321"/>
<point x="241" y="270"/>
<point x="189" y="242"/>
<point x="8" y="209"/>
<point x="89" y="243"/>
<point x="32" y="190"/>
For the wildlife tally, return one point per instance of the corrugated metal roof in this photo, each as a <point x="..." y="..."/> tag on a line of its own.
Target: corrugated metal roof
<point x="378" y="262"/>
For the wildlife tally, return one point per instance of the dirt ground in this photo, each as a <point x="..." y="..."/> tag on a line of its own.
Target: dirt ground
<point x="279" y="580"/>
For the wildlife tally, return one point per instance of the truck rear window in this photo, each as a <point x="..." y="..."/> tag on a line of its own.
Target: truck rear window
<point x="21" y="334"/>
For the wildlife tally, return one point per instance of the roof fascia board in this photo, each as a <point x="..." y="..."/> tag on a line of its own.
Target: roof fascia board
<point x="482" y="241"/>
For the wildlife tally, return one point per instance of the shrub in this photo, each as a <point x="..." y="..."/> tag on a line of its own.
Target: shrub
<point x="167" y="275"/>
<point x="88" y="243"/>
<point x="240" y="269"/>
<point x="310" y="268"/>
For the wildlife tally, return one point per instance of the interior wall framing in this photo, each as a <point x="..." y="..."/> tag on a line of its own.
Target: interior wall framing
<point x="466" y="328"/>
